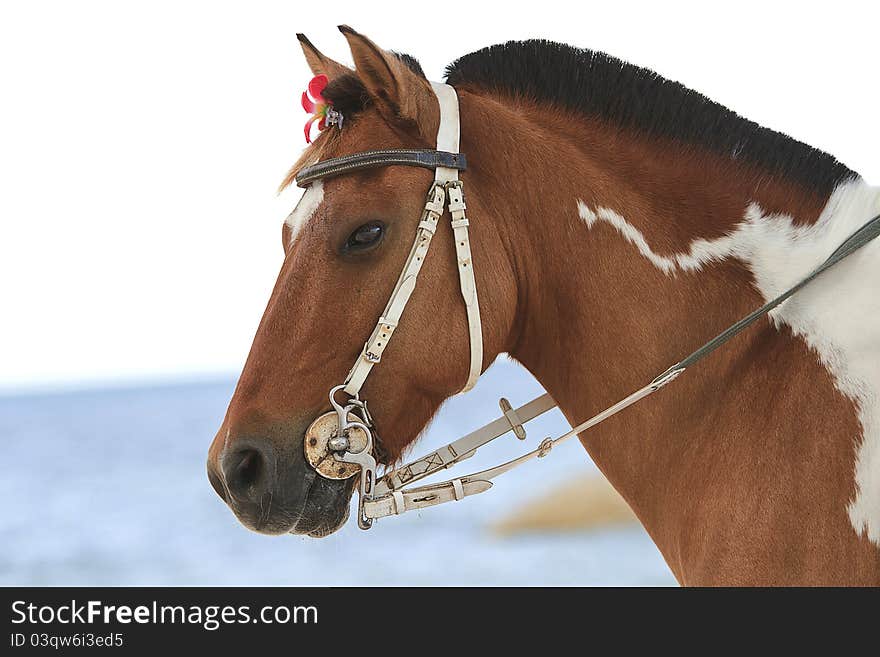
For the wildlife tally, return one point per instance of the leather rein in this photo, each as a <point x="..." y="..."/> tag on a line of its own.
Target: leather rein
<point x="339" y="443"/>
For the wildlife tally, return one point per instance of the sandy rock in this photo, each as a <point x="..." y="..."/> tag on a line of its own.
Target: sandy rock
<point x="585" y="503"/>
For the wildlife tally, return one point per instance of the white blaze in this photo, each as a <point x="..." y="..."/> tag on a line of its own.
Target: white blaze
<point x="304" y="210"/>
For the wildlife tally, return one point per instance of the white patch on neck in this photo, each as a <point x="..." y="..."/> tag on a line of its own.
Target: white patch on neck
<point x="837" y="315"/>
<point x="304" y="210"/>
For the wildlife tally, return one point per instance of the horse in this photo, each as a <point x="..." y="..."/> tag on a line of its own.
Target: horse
<point x="618" y="220"/>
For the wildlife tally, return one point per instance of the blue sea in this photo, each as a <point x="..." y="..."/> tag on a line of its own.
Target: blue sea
<point x="108" y="487"/>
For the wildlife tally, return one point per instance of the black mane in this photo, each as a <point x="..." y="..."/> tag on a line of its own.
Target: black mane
<point x="596" y="84"/>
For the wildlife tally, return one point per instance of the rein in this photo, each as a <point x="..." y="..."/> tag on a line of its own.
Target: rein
<point x="340" y="442"/>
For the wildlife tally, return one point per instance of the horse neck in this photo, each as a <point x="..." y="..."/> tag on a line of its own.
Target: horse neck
<point x="599" y="226"/>
<point x="595" y="224"/>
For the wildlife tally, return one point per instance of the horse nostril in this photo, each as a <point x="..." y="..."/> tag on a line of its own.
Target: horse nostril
<point x="246" y="474"/>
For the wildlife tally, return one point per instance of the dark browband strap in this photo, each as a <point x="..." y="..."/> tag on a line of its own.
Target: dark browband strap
<point x="426" y="159"/>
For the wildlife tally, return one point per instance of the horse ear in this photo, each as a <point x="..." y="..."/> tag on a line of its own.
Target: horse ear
<point x="400" y="93"/>
<point x="319" y="62"/>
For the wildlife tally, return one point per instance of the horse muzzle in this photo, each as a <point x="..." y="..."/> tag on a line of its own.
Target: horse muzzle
<point x="265" y="479"/>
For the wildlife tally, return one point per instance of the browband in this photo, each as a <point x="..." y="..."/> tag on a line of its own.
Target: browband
<point x="424" y="158"/>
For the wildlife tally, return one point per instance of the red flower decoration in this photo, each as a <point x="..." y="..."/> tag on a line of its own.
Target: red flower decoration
<point x="313" y="103"/>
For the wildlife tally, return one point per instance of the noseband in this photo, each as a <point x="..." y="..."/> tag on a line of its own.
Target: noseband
<point x="340" y="443"/>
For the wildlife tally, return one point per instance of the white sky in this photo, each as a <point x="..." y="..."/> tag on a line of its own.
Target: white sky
<point x="141" y="145"/>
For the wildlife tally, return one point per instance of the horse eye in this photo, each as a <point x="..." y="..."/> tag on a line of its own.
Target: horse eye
<point x="365" y="237"/>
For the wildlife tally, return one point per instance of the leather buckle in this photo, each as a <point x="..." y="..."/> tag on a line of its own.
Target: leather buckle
<point x="513" y="418"/>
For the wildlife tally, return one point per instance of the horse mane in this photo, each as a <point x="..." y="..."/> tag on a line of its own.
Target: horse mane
<point x="598" y="85"/>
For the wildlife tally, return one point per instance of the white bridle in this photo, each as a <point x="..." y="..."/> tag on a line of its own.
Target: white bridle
<point x="346" y="432"/>
<point x="446" y="192"/>
<point x="446" y="182"/>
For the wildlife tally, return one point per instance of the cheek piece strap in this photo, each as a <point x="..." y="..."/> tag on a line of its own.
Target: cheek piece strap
<point x="447" y="191"/>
